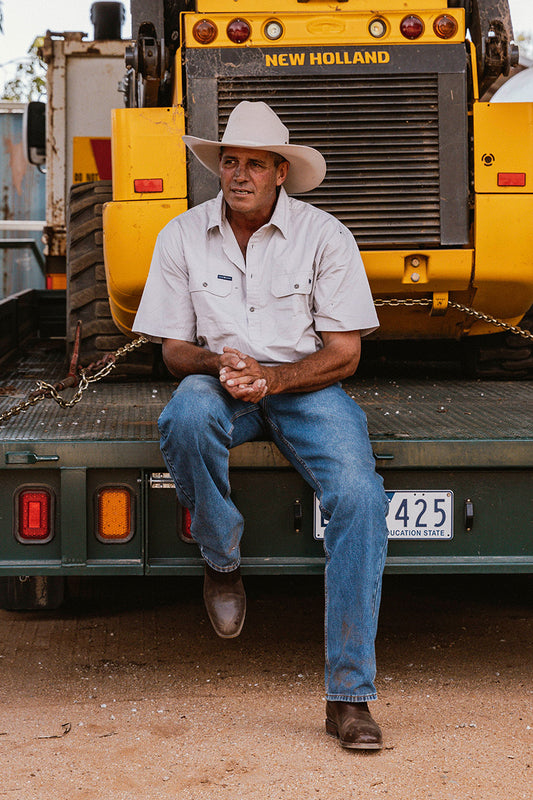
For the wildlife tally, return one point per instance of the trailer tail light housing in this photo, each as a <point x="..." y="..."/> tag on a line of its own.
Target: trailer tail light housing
<point x="34" y="515"/>
<point x="238" y="31"/>
<point x="273" y="29"/>
<point x="411" y="27"/>
<point x="185" y="532"/>
<point x="445" y="26"/>
<point x="148" y="185"/>
<point x="114" y="514"/>
<point x="511" y="178"/>
<point x="377" y="28"/>
<point x="205" y="31"/>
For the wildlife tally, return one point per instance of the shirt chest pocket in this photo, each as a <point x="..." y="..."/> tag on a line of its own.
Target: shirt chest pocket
<point x="284" y="285"/>
<point x="211" y="285"/>
<point x="213" y="302"/>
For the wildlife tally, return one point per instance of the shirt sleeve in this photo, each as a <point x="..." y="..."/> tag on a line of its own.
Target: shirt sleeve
<point x="342" y="297"/>
<point x="166" y="310"/>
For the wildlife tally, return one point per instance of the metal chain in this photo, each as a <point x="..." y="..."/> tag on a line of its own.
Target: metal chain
<point x="426" y="301"/>
<point x="48" y="390"/>
<point x="86" y="377"/>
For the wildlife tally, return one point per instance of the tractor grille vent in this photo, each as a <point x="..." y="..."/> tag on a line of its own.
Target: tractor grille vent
<point x="380" y="138"/>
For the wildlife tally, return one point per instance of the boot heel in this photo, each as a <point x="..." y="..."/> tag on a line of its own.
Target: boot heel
<point x="331" y="729"/>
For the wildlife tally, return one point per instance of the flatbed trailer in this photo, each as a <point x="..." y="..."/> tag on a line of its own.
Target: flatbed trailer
<point x="449" y="446"/>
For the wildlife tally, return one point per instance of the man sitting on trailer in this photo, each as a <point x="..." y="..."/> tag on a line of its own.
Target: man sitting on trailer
<point x="260" y="301"/>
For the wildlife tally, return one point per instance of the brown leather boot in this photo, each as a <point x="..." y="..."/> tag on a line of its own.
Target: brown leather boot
<point x="225" y="601"/>
<point x="353" y="725"/>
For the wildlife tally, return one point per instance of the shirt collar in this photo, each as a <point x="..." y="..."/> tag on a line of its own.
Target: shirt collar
<point x="279" y="218"/>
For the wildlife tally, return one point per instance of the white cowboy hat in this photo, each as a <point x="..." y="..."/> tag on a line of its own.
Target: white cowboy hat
<point x="256" y="126"/>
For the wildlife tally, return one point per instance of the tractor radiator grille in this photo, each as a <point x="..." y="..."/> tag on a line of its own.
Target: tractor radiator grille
<point x="380" y="138"/>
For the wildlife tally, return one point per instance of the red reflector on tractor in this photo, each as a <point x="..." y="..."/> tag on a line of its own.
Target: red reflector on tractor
<point x="34" y="522"/>
<point x="148" y="185"/>
<point x="511" y="178"/>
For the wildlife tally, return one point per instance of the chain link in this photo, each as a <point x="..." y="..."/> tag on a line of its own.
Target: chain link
<point x="479" y="315"/>
<point x="87" y="376"/>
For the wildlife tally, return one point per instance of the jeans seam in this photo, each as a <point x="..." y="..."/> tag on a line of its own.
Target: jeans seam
<point x="300" y="460"/>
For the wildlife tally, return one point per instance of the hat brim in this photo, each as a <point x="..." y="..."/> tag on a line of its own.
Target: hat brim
<point x="307" y="166"/>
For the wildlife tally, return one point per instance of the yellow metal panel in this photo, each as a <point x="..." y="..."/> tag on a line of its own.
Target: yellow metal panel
<point x="130" y="231"/>
<point x="408" y="273"/>
<point x="322" y="26"/>
<point x="284" y="6"/>
<point x="504" y="257"/>
<point x="84" y="162"/>
<point x="146" y="143"/>
<point x="503" y="143"/>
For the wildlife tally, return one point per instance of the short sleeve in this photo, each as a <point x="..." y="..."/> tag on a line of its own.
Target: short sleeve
<point x="342" y="297"/>
<point x="166" y="310"/>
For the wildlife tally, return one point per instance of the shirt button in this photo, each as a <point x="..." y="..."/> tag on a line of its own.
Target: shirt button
<point x="252" y="309"/>
<point x="204" y="283"/>
<point x="296" y="285"/>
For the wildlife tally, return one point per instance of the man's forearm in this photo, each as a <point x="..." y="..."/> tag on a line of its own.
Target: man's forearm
<point x="335" y="361"/>
<point x="312" y="373"/>
<point x="184" y="358"/>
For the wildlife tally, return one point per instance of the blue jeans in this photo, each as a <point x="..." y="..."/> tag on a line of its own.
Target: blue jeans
<point x="324" y="436"/>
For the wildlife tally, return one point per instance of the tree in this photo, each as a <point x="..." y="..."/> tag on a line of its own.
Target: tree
<point x="29" y="82"/>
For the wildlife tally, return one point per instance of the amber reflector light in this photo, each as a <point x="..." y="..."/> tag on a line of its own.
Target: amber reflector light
<point x="114" y="514"/>
<point x="205" y="31"/>
<point x="445" y="27"/>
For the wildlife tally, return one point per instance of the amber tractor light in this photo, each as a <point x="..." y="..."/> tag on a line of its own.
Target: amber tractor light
<point x="34" y="515"/>
<point x="377" y="28"/>
<point x="205" y="31"/>
<point x="445" y="26"/>
<point x="411" y="27"/>
<point x="238" y="31"/>
<point x="114" y="512"/>
<point x="273" y="30"/>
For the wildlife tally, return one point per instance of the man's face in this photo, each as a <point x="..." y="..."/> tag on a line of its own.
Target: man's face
<point x="249" y="179"/>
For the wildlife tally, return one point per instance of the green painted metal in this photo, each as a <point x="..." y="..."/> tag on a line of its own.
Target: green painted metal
<point x="468" y="437"/>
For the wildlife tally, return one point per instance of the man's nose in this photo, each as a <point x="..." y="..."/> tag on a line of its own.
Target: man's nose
<point x="241" y="172"/>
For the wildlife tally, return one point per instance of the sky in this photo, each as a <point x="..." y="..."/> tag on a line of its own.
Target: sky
<point x="24" y="20"/>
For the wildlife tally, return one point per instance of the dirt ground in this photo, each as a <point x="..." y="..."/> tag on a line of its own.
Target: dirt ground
<point x="126" y="693"/>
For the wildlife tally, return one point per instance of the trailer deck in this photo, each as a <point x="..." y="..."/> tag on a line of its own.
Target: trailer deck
<point x="438" y="405"/>
<point x="434" y="436"/>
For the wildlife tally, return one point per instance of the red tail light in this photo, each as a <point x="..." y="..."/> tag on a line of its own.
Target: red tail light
<point x="34" y="515"/>
<point x="148" y="184"/>
<point x="411" y="27"/>
<point x="238" y="31"/>
<point x="186" y="534"/>
<point x="511" y="178"/>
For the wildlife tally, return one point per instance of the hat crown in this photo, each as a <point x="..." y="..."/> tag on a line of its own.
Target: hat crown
<point x="256" y="125"/>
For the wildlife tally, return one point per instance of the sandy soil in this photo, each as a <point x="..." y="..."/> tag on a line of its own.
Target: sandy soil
<point x="127" y="694"/>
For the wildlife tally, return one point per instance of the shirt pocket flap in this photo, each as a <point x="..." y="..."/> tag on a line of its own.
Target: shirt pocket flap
<point x="297" y="283"/>
<point x="211" y="284"/>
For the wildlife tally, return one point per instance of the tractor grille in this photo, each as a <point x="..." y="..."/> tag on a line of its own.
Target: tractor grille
<point x="380" y="138"/>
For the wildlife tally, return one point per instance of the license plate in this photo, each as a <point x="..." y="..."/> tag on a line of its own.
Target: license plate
<point x="419" y="514"/>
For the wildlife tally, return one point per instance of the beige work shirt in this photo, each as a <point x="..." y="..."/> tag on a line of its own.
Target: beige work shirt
<point x="302" y="274"/>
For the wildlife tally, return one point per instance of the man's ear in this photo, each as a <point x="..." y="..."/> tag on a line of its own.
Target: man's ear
<point x="283" y="171"/>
